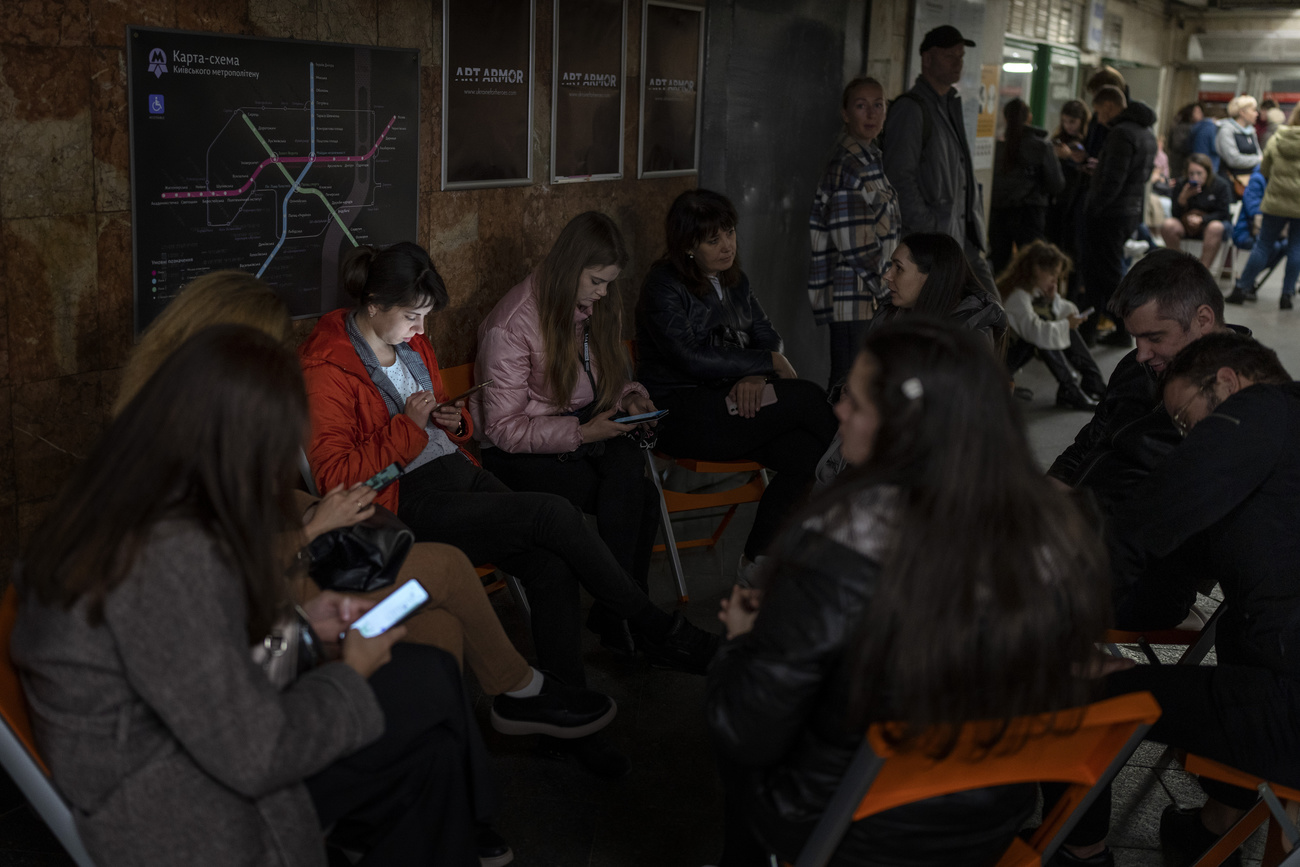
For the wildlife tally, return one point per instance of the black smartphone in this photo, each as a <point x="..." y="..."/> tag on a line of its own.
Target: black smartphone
<point x="383" y="478"/>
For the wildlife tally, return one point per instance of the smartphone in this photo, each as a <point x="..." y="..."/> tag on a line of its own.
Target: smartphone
<point x="466" y="393"/>
<point x="383" y="478"/>
<point x="1086" y="313"/>
<point x="645" y="416"/>
<point x="394" y="608"/>
<point x="769" y="398"/>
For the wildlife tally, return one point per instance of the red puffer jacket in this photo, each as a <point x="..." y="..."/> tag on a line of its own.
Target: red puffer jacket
<point x="352" y="435"/>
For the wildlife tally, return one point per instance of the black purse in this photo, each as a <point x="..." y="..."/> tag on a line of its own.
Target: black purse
<point x="363" y="557"/>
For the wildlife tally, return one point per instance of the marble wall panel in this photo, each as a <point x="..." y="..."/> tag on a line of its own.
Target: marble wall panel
<point x="29" y="517"/>
<point x="454" y="333"/>
<point x="410" y="24"/>
<point x="45" y="132"/>
<point x="8" y="488"/>
<point x="354" y="21"/>
<point x="53" y="300"/>
<point x="55" y="424"/>
<point x="45" y="22"/>
<point x="8" y="543"/>
<point x="116" y="299"/>
<point x="293" y="19"/>
<point x="110" y="136"/>
<point x="109" y="18"/>
<point x="4" y="323"/>
<point x="213" y="16"/>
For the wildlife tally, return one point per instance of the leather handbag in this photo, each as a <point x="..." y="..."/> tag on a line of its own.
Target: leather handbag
<point x="363" y="557"/>
<point x="291" y="649"/>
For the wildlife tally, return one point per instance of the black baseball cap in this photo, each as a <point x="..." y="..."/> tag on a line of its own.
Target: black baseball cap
<point x="944" y="36"/>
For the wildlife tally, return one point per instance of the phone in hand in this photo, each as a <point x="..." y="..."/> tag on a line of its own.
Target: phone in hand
<point x="392" y="610"/>
<point x="654" y="415"/>
<point x="383" y="478"/>
<point x="1084" y="314"/>
<point x="769" y="398"/>
<point x="487" y="383"/>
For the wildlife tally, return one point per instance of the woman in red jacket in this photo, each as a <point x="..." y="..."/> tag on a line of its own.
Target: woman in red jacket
<point x="376" y="399"/>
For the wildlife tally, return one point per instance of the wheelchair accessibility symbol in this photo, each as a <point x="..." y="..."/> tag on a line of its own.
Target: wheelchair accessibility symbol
<point x="155" y="103"/>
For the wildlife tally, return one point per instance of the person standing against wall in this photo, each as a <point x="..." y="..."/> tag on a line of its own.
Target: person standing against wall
<point x="1115" y="199"/>
<point x="854" y="227"/>
<point x="926" y="155"/>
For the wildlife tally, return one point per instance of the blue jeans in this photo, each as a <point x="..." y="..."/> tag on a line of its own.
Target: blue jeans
<point x="1269" y="231"/>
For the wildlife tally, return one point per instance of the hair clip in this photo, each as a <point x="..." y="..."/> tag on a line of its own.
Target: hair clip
<point x="912" y="388"/>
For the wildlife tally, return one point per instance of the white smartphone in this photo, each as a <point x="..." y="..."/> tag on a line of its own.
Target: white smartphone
<point x="1086" y="313"/>
<point x="392" y="610"/>
<point x="645" y="416"/>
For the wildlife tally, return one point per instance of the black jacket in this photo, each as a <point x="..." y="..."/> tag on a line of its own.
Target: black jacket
<point x="1118" y="187"/>
<point x="1233" y="488"/>
<point x="1035" y="178"/>
<point x="684" y="340"/>
<point x="778" y="706"/>
<point x="1128" y="435"/>
<point x="1213" y="200"/>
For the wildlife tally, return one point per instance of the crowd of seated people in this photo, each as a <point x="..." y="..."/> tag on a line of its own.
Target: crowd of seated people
<point x="932" y="562"/>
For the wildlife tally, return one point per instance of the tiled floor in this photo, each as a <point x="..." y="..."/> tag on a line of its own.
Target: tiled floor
<point x="667" y="812"/>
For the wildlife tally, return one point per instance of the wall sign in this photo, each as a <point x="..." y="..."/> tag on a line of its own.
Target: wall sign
<point x="587" y="106"/>
<point x="487" y="93"/>
<point x="274" y="157"/>
<point x="672" y="69"/>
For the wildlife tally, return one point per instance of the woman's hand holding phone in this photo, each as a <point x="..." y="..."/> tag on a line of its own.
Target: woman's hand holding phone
<point x="339" y="508"/>
<point x="367" y="655"/>
<point x="447" y="416"/>
<point x="332" y="614"/>
<point x="741" y="610"/>
<point x="603" y="427"/>
<point x="638" y="404"/>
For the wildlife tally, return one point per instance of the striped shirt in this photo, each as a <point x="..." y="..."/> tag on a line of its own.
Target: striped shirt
<point x="854" y="227"/>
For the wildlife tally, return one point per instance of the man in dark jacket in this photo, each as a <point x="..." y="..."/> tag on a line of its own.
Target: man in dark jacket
<point x="926" y="155"/>
<point x="1167" y="300"/>
<point x="1115" y="201"/>
<point x="1232" y="490"/>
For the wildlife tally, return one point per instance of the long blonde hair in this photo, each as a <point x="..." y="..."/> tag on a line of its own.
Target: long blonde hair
<point x="217" y="298"/>
<point x="590" y="240"/>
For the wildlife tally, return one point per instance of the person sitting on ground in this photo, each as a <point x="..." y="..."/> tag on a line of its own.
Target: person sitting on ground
<point x="559" y="332"/>
<point x="458" y="616"/>
<point x="1232" y="487"/>
<point x="156" y="569"/>
<point x="864" y="618"/>
<point x="1201" y="203"/>
<point x="1046" y="326"/>
<point x="1167" y="300"/>
<point x="1245" y="231"/>
<point x="377" y="399"/>
<point x="708" y="353"/>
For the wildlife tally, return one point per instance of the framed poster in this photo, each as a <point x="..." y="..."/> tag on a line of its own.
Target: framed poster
<point x="274" y="157"/>
<point x="487" y="93"/>
<point x="672" y="69"/>
<point x="589" y="94"/>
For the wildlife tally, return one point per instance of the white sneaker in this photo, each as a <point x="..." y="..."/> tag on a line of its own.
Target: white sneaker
<point x="751" y="573"/>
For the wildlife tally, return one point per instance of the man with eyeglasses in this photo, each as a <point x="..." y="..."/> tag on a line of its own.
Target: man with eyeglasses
<point x="1167" y="301"/>
<point x="1230" y="491"/>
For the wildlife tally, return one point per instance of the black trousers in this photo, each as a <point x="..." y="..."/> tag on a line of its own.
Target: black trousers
<point x="1102" y="262"/>
<point x="1008" y="227"/>
<point x="413" y="797"/>
<point x="1061" y="362"/>
<point x="605" y="485"/>
<point x="846" y="342"/>
<point x="539" y="538"/>
<point x="789" y="437"/>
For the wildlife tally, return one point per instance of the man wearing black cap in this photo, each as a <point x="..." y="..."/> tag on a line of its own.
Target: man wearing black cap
<point x="927" y="158"/>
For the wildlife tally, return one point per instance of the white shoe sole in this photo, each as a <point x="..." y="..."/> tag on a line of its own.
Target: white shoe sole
<point x="499" y="861"/>
<point x="524" y="727"/>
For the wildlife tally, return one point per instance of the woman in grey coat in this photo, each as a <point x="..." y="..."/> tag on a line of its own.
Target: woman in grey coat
<point x="158" y="567"/>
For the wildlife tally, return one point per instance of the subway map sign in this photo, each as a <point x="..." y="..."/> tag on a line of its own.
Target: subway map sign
<point x="274" y="157"/>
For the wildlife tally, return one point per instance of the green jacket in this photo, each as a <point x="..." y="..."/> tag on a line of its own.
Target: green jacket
<point x="1281" y="165"/>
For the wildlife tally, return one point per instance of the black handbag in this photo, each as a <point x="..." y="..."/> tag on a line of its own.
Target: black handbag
<point x="363" y="557"/>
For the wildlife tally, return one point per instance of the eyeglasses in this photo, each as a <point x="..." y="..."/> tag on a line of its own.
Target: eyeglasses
<point x="1180" y="423"/>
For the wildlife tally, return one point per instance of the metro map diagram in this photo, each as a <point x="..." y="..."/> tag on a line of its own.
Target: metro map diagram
<point x="275" y="158"/>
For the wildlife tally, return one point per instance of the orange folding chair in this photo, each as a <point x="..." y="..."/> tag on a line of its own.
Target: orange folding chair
<point x="1269" y="805"/>
<point x="1054" y="749"/>
<point x="1198" y="644"/>
<point x="18" y="751"/>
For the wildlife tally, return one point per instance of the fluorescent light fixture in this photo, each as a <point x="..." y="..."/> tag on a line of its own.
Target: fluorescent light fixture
<point x="1218" y="78"/>
<point x="1024" y="67"/>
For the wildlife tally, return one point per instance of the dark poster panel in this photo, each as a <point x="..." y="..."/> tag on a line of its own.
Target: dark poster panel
<point x="487" y="105"/>
<point x="672" y="64"/>
<point x="271" y="156"/>
<point x="587" y="111"/>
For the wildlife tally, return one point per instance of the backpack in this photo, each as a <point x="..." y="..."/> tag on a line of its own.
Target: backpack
<point x="926" y="122"/>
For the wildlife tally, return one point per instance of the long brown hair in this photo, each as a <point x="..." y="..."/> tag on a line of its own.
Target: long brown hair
<point x="1016" y="113"/>
<point x="212" y="437"/>
<point x="216" y="298"/>
<point x="695" y="217"/>
<point x="1074" y="108"/>
<point x="590" y="240"/>
<point x="998" y="620"/>
<point x="1020" y="274"/>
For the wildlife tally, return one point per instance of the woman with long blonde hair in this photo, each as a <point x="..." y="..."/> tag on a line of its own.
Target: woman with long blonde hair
<point x="553" y="348"/>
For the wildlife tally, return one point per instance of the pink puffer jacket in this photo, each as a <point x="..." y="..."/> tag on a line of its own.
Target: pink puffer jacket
<point x="516" y="413"/>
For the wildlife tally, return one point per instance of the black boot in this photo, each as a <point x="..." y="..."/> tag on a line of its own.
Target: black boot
<point x="1072" y="397"/>
<point x="614" y="632"/>
<point x="684" y="647"/>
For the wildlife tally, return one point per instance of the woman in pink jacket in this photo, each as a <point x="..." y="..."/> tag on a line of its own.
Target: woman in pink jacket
<point x="553" y="348"/>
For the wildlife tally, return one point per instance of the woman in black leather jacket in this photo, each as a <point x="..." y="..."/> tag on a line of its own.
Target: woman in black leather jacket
<point x="707" y="352"/>
<point x="940" y="580"/>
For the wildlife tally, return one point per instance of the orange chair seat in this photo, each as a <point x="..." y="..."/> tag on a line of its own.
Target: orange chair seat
<point x="1203" y="767"/>
<point x="1158" y="636"/>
